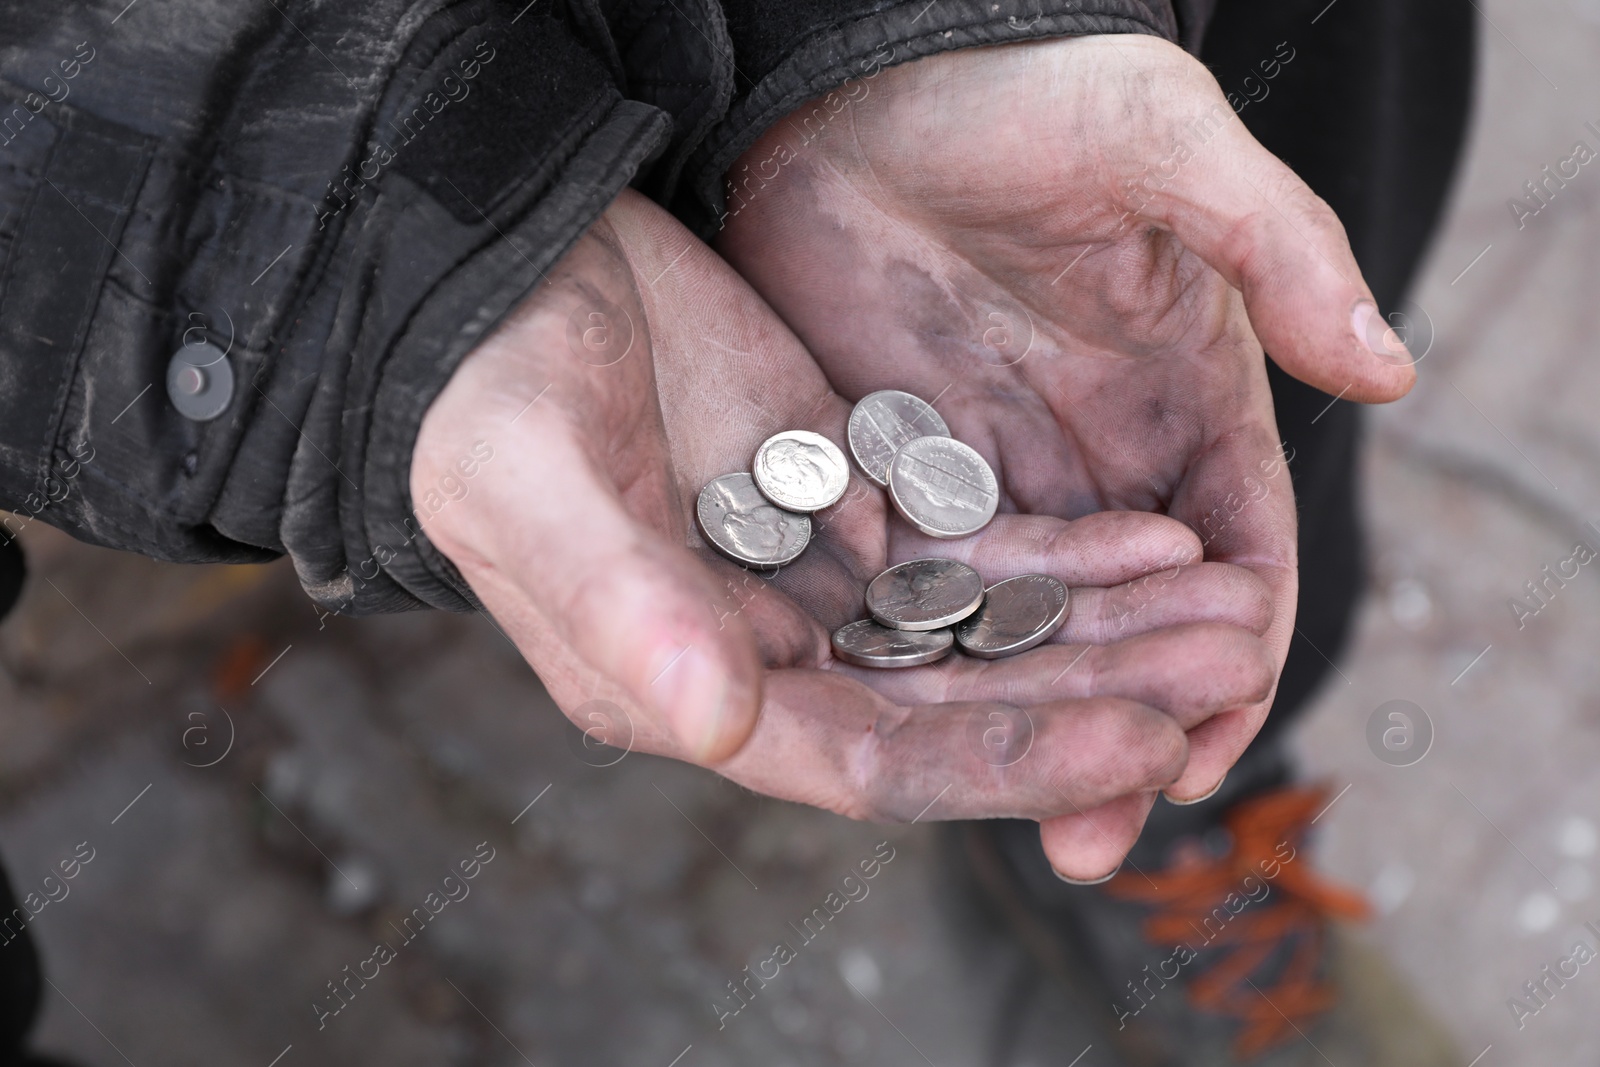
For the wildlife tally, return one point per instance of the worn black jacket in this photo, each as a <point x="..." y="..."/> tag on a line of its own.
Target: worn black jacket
<point x="333" y="202"/>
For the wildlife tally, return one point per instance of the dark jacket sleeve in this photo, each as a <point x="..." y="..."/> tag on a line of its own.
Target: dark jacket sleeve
<point x="784" y="53"/>
<point x="246" y="242"/>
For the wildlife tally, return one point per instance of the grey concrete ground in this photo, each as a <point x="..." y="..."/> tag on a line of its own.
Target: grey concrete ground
<point x="252" y="841"/>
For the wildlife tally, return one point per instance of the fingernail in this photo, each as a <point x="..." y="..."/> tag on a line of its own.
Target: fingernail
<point x="1376" y="333"/>
<point x="692" y="692"/>
<point x="1195" y="800"/>
<point x="1089" y="881"/>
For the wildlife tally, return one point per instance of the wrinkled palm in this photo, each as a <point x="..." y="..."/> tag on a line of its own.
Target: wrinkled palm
<point x="576" y="542"/>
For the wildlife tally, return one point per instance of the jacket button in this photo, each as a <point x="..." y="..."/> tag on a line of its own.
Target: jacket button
<point x="200" y="381"/>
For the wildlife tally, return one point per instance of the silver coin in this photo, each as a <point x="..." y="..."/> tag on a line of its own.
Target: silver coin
<point x="943" y="487"/>
<point x="1017" y="614"/>
<point x="739" y="522"/>
<point x="924" y="594"/>
<point x="866" y="644"/>
<point x="883" y="421"/>
<point x="800" y="471"/>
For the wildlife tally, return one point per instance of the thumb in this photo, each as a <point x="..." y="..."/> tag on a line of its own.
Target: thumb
<point x="638" y="609"/>
<point x="1251" y="218"/>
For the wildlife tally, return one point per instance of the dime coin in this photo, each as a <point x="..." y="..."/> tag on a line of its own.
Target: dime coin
<point x="1017" y="614"/>
<point x="866" y="644"/>
<point x="800" y="470"/>
<point x="924" y="594"/>
<point x="883" y="421"/>
<point x="943" y="487"/>
<point x="739" y="523"/>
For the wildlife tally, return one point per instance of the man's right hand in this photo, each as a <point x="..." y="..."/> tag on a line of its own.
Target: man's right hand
<point x="576" y="545"/>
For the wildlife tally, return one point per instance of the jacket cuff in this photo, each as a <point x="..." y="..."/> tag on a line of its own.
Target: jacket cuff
<point x="513" y="249"/>
<point x="809" y="47"/>
<point x="462" y="230"/>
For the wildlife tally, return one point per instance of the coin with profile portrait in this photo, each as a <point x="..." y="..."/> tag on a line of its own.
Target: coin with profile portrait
<point x="924" y="594"/>
<point x="1017" y="614"/>
<point x="800" y="471"/>
<point x="741" y="524"/>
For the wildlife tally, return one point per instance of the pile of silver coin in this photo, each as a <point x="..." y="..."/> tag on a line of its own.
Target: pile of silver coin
<point x="923" y="608"/>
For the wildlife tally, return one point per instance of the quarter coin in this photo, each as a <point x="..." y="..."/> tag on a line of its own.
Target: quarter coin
<point x="943" y="487"/>
<point x="866" y="644"/>
<point x="883" y="421"/>
<point x="924" y="594"/>
<point x="1017" y="614"/>
<point x="800" y="471"/>
<point x="739" y="522"/>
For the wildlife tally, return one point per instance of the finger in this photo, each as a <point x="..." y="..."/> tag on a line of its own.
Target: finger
<point x="1105" y="548"/>
<point x="1199" y="592"/>
<point x="1240" y="498"/>
<point x="869" y="758"/>
<point x="1190" y="672"/>
<point x="1089" y="846"/>
<point x="1250" y="217"/>
<point x="642" y="612"/>
<point x="1215" y="746"/>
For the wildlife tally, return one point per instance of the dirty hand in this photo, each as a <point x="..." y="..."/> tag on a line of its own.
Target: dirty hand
<point x="1079" y="250"/>
<point x="579" y="544"/>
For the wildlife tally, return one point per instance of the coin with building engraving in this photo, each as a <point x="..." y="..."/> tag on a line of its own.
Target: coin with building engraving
<point x="924" y="594"/>
<point x="741" y="524"/>
<point x="1017" y="614"/>
<point x="867" y="644"/>
<point x="883" y="421"/>
<point x="800" y="471"/>
<point x="943" y="487"/>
